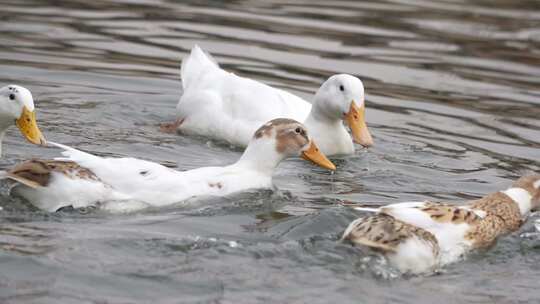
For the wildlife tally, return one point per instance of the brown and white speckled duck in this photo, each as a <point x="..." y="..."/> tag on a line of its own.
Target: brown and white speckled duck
<point x="418" y="237"/>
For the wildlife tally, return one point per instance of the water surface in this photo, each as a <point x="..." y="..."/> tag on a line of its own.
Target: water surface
<point x="453" y="105"/>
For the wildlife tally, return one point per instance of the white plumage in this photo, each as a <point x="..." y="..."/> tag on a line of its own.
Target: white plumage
<point x="221" y="105"/>
<point x="81" y="179"/>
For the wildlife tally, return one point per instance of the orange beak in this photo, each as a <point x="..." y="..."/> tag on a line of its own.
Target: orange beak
<point x="28" y="126"/>
<point x="355" y="118"/>
<point x="313" y="154"/>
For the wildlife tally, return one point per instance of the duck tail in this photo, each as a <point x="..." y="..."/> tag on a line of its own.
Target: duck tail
<point x="192" y="66"/>
<point x="18" y="179"/>
<point x="74" y="155"/>
<point x="366" y="209"/>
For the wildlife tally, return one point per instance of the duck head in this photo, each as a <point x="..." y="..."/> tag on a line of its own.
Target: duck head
<point x="17" y="107"/>
<point x="281" y="138"/>
<point x="342" y="97"/>
<point x="531" y="184"/>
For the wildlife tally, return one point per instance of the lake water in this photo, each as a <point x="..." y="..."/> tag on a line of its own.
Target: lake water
<point x="453" y="103"/>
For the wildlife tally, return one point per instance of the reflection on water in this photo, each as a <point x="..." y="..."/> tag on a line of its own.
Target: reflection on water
<point x="453" y="104"/>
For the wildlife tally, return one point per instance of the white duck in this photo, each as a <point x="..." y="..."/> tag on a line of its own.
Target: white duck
<point x="17" y="107"/>
<point x="221" y="105"/>
<point x="419" y="237"/>
<point x="82" y="179"/>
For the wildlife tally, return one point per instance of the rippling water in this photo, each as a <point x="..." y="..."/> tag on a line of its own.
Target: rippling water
<point x="453" y="96"/>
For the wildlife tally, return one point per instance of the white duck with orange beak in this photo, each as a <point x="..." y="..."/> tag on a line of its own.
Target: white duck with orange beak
<point x="223" y="106"/>
<point x="82" y="179"/>
<point x="17" y="107"/>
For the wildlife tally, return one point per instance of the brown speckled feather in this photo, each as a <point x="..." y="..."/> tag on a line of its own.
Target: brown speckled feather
<point x="445" y="213"/>
<point x="500" y="205"/>
<point x="37" y="173"/>
<point x="266" y="129"/>
<point x="385" y="233"/>
<point x="503" y="216"/>
<point x="487" y="231"/>
<point x="475" y="225"/>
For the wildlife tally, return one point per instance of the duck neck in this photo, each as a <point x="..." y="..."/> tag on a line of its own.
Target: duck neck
<point x="329" y="133"/>
<point x="522" y="198"/>
<point x="320" y="112"/>
<point x="315" y="117"/>
<point x="261" y="156"/>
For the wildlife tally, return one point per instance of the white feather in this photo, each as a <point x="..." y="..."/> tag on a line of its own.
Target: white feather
<point x="66" y="191"/>
<point x="194" y="65"/>
<point x="410" y="213"/>
<point x="413" y="256"/>
<point x="522" y="198"/>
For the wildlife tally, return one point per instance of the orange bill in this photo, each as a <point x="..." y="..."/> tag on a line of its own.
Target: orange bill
<point x="355" y="118"/>
<point x="28" y="126"/>
<point x="313" y="154"/>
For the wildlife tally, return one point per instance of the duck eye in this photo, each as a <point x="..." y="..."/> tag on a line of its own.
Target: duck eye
<point x="298" y="130"/>
<point x="341" y="88"/>
<point x="12" y="96"/>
